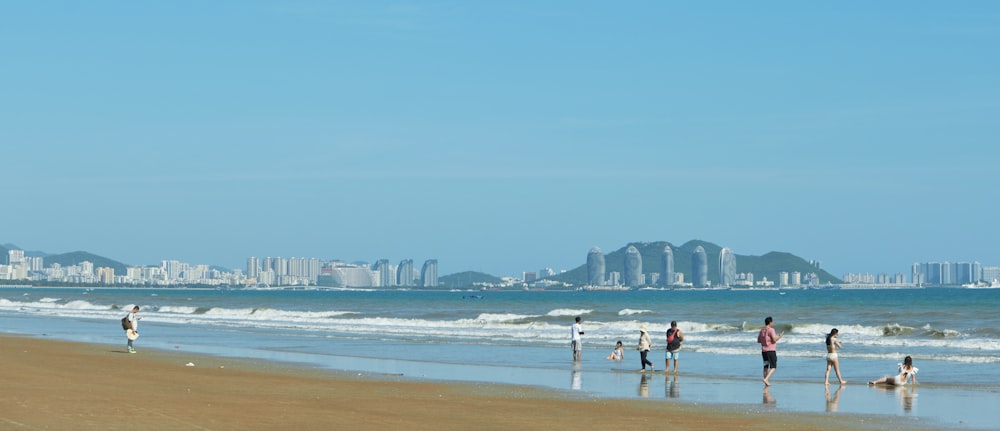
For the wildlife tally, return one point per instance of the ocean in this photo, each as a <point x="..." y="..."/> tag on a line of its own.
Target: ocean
<point x="522" y="337"/>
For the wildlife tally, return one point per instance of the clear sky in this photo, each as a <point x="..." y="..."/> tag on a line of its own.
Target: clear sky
<point x="501" y="136"/>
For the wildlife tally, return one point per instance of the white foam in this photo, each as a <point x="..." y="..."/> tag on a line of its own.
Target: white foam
<point x="631" y="312"/>
<point x="559" y="312"/>
<point x="177" y="309"/>
<point x="506" y="317"/>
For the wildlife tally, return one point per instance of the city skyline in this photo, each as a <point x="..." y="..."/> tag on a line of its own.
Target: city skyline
<point x="501" y="137"/>
<point x="294" y="271"/>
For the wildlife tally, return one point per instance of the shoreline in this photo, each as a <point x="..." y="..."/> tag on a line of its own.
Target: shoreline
<point x="53" y="384"/>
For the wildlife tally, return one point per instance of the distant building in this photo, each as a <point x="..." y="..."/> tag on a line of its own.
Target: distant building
<point x="253" y="267"/>
<point x="668" y="266"/>
<point x="946" y="273"/>
<point x="744" y="279"/>
<point x="727" y="267"/>
<point x="965" y="272"/>
<point x="280" y="266"/>
<point x="386" y="273"/>
<point x="105" y="275"/>
<point x="633" y="267"/>
<point x="429" y="273"/>
<point x="595" y="267"/>
<point x="404" y="273"/>
<point x="699" y="267"/>
<point x="15" y="256"/>
<point x="614" y="278"/>
<point x="339" y="274"/>
<point x="991" y="273"/>
<point x="529" y="277"/>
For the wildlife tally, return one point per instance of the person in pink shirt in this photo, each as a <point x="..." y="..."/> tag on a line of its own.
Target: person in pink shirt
<point x="768" y="348"/>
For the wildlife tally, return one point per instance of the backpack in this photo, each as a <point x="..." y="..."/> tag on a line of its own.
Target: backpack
<point x="673" y="341"/>
<point x="126" y="325"/>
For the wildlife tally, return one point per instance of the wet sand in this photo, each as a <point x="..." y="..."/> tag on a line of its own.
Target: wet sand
<point x="58" y="385"/>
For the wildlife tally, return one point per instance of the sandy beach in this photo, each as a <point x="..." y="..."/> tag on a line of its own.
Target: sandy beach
<point x="57" y="385"/>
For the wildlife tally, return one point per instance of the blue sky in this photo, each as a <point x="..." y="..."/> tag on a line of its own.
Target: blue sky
<point x="501" y="136"/>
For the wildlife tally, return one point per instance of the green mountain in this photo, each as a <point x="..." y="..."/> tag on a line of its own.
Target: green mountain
<point x="466" y="279"/>
<point x="768" y="265"/>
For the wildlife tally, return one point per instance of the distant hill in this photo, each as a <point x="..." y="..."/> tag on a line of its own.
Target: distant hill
<point x="768" y="265"/>
<point x="74" y="258"/>
<point x="466" y="279"/>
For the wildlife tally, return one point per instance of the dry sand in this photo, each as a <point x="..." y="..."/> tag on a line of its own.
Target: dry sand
<point x="55" y="385"/>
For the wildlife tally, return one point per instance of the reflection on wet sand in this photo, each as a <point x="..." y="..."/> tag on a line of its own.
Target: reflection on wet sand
<point x="576" y="380"/>
<point x="673" y="388"/>
<point x="644" y="386"/>
<point x="831" y="402"/>
<point x="768" y="398"/>
<point x="906" y="394"/>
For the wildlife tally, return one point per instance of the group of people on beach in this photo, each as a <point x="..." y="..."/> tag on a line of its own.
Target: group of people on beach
<point x="674" y="338"/>
<point x="767" y="338"/>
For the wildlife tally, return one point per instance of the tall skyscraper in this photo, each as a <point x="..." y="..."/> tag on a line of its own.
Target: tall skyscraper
<point x="268" y="263"/>
<point x="280" y="266"/>
<point x="668" y="266"/>
<point x="633" y="267"/>
<point x="595" y="267"/>
<point x="404" y="273"/>
<point x="727" y="267"/>
<point x="963" y="273"/>
<point x="253" y="267"/>
<point x="699" y="267"/>
<point x="429" y="273"/>
<point x="386" y="273"/>
<point x="947" y="273"/>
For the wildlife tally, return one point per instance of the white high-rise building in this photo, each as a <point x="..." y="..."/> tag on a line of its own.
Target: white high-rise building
<point x="15" y="257"/>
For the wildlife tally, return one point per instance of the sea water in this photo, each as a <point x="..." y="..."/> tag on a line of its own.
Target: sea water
<point x="522" y="337"/>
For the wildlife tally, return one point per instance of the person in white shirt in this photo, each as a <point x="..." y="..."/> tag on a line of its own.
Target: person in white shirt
<point x="575" y="340"/>
<point x="133" y="332"/>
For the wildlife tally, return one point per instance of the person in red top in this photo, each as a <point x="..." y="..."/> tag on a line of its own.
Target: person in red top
<point x="768" y="348"/>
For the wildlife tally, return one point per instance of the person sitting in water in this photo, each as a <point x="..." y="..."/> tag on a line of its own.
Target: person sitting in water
<point x="618" y="353"/>
<point x="906" y="372"/>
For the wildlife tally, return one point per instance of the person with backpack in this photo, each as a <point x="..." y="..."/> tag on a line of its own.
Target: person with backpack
<point x="130" y="324"/>
<point x="674" y="339"/>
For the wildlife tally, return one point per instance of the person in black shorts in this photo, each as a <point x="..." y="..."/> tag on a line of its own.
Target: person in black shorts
<point x="768" y="348"/>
